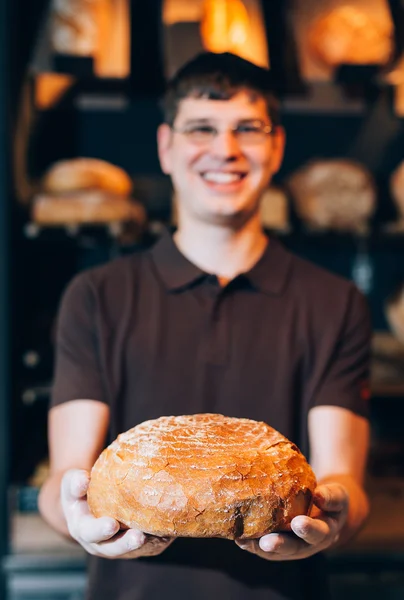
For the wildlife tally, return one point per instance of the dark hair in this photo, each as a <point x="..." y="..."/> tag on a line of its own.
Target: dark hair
<point x="219" y="77"/>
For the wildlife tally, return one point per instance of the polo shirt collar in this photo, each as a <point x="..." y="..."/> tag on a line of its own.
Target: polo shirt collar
<point x="270" y="274"/>
<point x="174" y="268"/>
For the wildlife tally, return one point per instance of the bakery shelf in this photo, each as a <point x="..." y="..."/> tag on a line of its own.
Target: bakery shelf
<point x="35" y="544"/>
<point x="323" y="97"/>
<point x="391" y="234"/>
<point x="388" y="236"/>
<point x="387" y="365"/>
<point x="56" y="92"/>
<point x="119" y="237"/>
<point x="110" y="230"/>
<point x="387" y="390"/>
<point x="358" y="74"/>
<point x="36" y="393"/>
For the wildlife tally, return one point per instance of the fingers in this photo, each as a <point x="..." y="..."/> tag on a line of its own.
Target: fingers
<point x="332" y="497"/>
<point x="102" y="536"/>
<point x="282" y="545"/>
<point x="249" y="545"/>
<point x="309" y="536"/>
<point x="131" y="544"/>
<point x="316" y="532"/>
<point x="92" y="530"/>
<point x="275" y="547"/>
<point x="120" y="546"/>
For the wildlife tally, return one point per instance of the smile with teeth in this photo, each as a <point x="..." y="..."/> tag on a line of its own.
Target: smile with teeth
<point x="222" y="177"/>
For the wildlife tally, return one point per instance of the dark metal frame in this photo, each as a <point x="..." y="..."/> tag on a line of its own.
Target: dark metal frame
<point x="4" y="286"/>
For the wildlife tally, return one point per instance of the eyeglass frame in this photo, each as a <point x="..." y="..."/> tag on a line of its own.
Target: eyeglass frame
<point x="266" y="129"/>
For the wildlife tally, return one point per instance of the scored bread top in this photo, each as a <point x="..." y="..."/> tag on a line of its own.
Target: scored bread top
<point x="164" y="474"/>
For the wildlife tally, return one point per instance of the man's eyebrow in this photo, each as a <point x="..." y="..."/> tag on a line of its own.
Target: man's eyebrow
<point x="252" y="120"/>
<point x="201" y="121"/>
<point x="205" y="120"/>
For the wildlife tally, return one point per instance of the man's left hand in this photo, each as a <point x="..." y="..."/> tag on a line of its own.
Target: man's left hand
<point x="311" y="534"/>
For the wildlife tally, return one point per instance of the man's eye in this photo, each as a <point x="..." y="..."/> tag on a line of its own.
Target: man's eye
<point x="202" y="129"/>
<point x="248" y="129"/>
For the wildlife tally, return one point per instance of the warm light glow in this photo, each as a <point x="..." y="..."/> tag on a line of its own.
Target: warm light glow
<point x="236" y="26"/>
<point x="225" y="26"/>
<point x="50" y="88"/>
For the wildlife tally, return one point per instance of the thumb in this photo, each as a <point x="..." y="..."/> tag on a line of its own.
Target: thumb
<point x="74" y="485"/>
<point x="332" y="497"/>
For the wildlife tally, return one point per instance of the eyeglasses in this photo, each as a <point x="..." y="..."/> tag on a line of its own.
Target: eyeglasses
<point x="249" y="133"/>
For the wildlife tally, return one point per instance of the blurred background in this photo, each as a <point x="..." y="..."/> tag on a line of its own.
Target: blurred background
<point x="80" y="82"/>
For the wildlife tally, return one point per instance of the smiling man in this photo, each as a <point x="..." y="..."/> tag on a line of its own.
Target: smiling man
<point x="216" y="318"/>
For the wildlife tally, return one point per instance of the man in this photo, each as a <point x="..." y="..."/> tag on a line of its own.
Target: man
<point x="217" y="318"/>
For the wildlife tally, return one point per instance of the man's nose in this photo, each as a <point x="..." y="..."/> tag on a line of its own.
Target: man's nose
<point x="225" y="144"/>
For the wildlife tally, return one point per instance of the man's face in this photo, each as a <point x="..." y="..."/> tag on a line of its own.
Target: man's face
<point x="219" y="177"/>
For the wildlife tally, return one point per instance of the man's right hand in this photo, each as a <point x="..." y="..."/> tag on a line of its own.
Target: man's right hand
<point x="102" y="536"/>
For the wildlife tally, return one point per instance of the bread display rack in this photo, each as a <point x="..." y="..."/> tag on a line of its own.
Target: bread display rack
<point x="66" y="110"/>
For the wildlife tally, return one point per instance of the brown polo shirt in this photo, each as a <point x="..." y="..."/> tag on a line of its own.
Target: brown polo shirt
<point x="151" y="334"/>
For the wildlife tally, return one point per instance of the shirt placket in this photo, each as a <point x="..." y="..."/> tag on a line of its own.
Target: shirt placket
<point x="217" y="333"/>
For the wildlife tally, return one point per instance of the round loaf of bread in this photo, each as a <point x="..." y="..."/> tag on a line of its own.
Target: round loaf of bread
<point x="349" y="35"/>
<point x="394" y="312"/>
<point x="202" y="475"/>
<point x="336" y="194"/>
<point x="84" y="174"/>
<point x="397" y="188"/>
<point x="75" y="27"/>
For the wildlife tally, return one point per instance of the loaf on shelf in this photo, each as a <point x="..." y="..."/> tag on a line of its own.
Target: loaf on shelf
<point x="274" y="209"/>
<point x="97" y="29"/>
<point x="84" y="174"/>
<point x="86" y="191"/>
<point x="350" y="35"/>
<point x="75" y="27"/>
<point x="387" y="368"/>
<point x="394" y="311"/>
<point x="333" y="194"/>
<point x="397" y="189"/>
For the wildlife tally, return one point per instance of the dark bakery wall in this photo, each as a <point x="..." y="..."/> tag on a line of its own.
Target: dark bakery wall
<point x="116" y="122"/>
<point x="24" y="20"/>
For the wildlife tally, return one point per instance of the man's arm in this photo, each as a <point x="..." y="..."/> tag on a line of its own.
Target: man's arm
<point x="77" y="432"/>
<point x="339" y="442"/>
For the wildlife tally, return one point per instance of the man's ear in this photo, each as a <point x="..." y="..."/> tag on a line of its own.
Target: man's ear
<point x="279" y="141"/>
<point x="164" y="135"/>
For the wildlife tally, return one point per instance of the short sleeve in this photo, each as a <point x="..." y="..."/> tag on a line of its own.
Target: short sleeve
<point x="345" y="378"/>
<point x="78" y="373"/>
